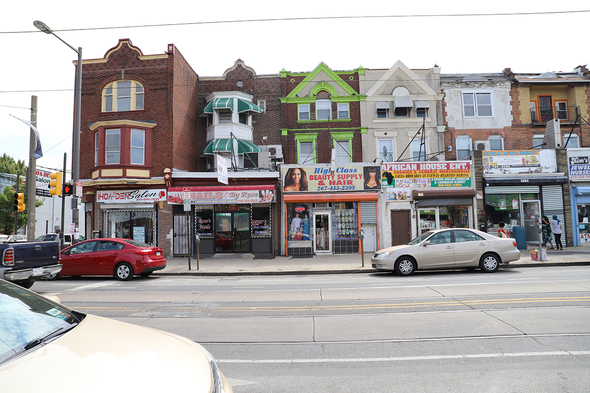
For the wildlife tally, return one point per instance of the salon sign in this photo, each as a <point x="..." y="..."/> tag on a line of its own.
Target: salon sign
<point x="127" y="196"/>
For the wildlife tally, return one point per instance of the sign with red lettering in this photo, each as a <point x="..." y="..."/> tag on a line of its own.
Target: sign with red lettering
<point x="426" y="174"/>
<point x="222" y="197"/>
<point x="128" y="196"/>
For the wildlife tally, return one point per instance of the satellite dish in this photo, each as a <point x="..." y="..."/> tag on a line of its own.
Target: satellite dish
<point x="384" y="153"/>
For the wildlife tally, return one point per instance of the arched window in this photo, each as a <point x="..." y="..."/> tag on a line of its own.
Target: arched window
<point x="123" y="95"/>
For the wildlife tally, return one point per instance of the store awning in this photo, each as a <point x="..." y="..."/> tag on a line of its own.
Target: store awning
<point x="382" y="105"/>
<point x="344" y="197"/>
<point x="225" y="146"/>
<point x="525" y="181"/>
<point x="245" y="106"/>
<point x="402" y="102"/>
<point x="433" y="193"/>
<point x="219" y="103"/>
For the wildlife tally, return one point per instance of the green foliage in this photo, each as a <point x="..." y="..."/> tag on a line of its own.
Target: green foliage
<point x="7" y="211"/>
<point x="8" y="165"/>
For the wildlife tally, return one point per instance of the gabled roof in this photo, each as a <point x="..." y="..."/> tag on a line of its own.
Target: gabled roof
<point x="411" y="74"/>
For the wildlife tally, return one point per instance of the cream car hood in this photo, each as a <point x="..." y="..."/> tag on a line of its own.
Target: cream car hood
<point x="394" y="248"/>
<point x="105" y="355"/>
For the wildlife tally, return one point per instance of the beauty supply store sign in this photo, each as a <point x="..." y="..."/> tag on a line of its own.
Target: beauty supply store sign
<point x="324" y="179"/>
<point x="400" y="178"/>
<point x="132" y="196"/>
<point x="176" y="196"/>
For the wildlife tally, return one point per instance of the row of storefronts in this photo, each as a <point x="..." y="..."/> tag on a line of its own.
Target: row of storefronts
<point x="341" y="209"/>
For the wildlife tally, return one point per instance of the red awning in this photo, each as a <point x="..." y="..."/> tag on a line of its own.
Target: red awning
<point x="221" y="188"/>
<point x="345" y="197"/>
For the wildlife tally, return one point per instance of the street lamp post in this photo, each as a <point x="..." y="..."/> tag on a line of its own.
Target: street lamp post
<point x="77" y="109"/>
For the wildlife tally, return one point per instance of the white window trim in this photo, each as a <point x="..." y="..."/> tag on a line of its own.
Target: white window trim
<point x="347" y="156"/>
<point x="493" y="137"/>
<point x="557" y="102"/>
<point x="96" y="147"/>
<point x="474" y="93"/>
<point x="380" y="149"/>
<point x="345" y="104"/>
<point x="424" y="154"/>
<point x="470" y="144"/>
<point x="262" y="105"/>
<point x="329" y="109"/>
<point x="142" y="147"/>
<point x="106" y="147"/>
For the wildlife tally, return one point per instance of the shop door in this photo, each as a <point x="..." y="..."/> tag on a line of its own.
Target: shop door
<point x="400" y="227"/>
<point x="531" y="220"/>
<point x="323" y="233"/>
<point x="232" y="231"/>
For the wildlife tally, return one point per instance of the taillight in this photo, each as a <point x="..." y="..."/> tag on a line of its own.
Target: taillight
<point x="514" y="243"/>
<point x="8" y="257"/>
<point x="144" y="252"/>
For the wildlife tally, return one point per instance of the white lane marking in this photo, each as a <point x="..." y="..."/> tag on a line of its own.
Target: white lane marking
<point x="91" y="286"/>
<point x="408" y="358"/>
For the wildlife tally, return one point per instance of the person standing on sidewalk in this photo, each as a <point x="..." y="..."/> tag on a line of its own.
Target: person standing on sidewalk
<point x="501" y="231"/>
<point x="557" y="230"/>
<point x="547" y="233"/>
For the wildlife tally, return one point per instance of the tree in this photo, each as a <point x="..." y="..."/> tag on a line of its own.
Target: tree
<point x="8" y="165"/>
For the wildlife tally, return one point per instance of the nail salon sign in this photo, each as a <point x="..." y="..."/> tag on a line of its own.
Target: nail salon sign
<point x="126" y="196"/>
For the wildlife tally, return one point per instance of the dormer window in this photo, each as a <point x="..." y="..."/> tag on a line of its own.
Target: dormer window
<point x="123" y="95"/>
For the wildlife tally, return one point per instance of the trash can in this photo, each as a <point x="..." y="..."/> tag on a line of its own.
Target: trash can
<point x="519" y="233"/>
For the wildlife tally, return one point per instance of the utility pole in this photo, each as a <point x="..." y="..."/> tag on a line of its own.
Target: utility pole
<point x="32" y="173"/>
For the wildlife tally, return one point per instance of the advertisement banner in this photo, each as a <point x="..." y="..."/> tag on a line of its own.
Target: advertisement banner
<point x="500" y="159"/>
<point x="42" y="183"/>
<point x="222" y="197"/>
<point x="579" y="168"/>
<point x="323" y="179"/>
<point x="425" y="174"/>
<point x="131" y="196"/>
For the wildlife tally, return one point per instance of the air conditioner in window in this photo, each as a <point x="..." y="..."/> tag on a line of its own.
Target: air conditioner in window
<point x="256" y="160"/>
<point x="481" y="145"/>
<point x="275" y="151"/>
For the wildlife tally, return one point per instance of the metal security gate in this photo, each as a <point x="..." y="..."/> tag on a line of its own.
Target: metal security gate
<point x="180" y="244"/>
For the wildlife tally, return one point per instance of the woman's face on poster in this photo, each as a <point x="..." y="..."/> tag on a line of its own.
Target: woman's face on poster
<point x="296" y="176"/>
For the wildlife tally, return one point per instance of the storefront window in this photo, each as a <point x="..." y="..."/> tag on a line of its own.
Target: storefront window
<point x="345" y="220"/>
<point x="298" y="217"/>
<point x="506" y="208"/>
<point x="261" y="222"/>
<point x="204" y="220"/>
<point x="584" y="224"/>
<point x="444" y="217"/>
<point x="136" y="225"/>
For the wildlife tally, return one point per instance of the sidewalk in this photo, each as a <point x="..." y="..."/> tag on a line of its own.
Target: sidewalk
<point x="246" y="264"/>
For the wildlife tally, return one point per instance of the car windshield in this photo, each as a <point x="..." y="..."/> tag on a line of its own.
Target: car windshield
<point x="136" y="243"/>
<point x="420" y="238"/>
<point x="26" y="319"/>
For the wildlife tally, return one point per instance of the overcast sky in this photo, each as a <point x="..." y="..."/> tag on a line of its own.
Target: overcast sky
<point x="34" y="63"/>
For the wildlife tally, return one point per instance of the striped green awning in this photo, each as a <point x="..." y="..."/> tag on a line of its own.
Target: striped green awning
<point x="224" y="146"/>
<point x="244" y="106"/>
<point x="228" y="103"/>
<point x="219" y="103"/>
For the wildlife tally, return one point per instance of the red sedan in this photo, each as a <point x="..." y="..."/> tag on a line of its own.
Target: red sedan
<point x="121" y="258"/>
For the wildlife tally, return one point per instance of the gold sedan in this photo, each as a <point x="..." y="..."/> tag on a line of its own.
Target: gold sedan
<point x="448" y="249"/>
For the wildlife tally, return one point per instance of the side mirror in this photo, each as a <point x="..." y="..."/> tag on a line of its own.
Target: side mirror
<point x="426" y="243"/>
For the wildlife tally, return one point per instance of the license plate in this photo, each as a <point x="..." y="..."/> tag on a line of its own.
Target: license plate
<point x="37" y="271"/>
<point x="158" y="253"/>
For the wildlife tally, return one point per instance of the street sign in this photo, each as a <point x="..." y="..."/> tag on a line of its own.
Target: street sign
<point x="187" y="205"/>
<point x="78" y="189"/>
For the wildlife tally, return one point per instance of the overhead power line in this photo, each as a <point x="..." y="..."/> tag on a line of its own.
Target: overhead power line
<point x="323" y="18"/>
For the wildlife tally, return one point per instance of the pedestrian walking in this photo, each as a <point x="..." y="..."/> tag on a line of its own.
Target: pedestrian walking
<point x="501" y="231"/>
<point x="557" y="230"/>
<point x="547" y="233"/>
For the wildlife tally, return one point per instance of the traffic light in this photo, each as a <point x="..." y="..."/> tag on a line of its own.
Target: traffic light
<point x="55" y="184"/>
<point x="68" y="189"/>
<point x="19" y="202"/>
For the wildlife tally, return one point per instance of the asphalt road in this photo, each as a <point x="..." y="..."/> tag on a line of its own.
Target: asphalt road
<point x="516" y="330"/>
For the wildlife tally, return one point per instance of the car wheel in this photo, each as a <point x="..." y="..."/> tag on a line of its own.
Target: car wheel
<point x="52" y="276"/>
<point x="489" y="263"/>
<point x="124" y="271"/>
<point x="405" y="266"/>
<point x="26" y="283"/>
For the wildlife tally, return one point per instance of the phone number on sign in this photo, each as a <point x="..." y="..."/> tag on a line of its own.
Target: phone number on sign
<point x="336" y="188"/>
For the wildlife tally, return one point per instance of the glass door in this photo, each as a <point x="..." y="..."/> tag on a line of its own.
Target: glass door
<point x="232" y="230"/>
<point x="323" y="232"/>
<point x="531" y="220"/>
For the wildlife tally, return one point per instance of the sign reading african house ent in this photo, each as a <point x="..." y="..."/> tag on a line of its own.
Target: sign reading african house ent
<point x="426" y="174"/>
<point x="323" y="179"/>
<point x="121" y="196"/>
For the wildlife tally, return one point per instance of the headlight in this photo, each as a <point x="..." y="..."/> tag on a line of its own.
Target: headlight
<point x="217" y="380"/>
<point x="383" y="254"/>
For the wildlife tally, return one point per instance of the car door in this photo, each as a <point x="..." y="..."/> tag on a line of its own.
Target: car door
<point x="77" y="260"/>
<point x="439" y="253"/>
<point x="105" y="256"/>
<point x="469" y="247"/>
